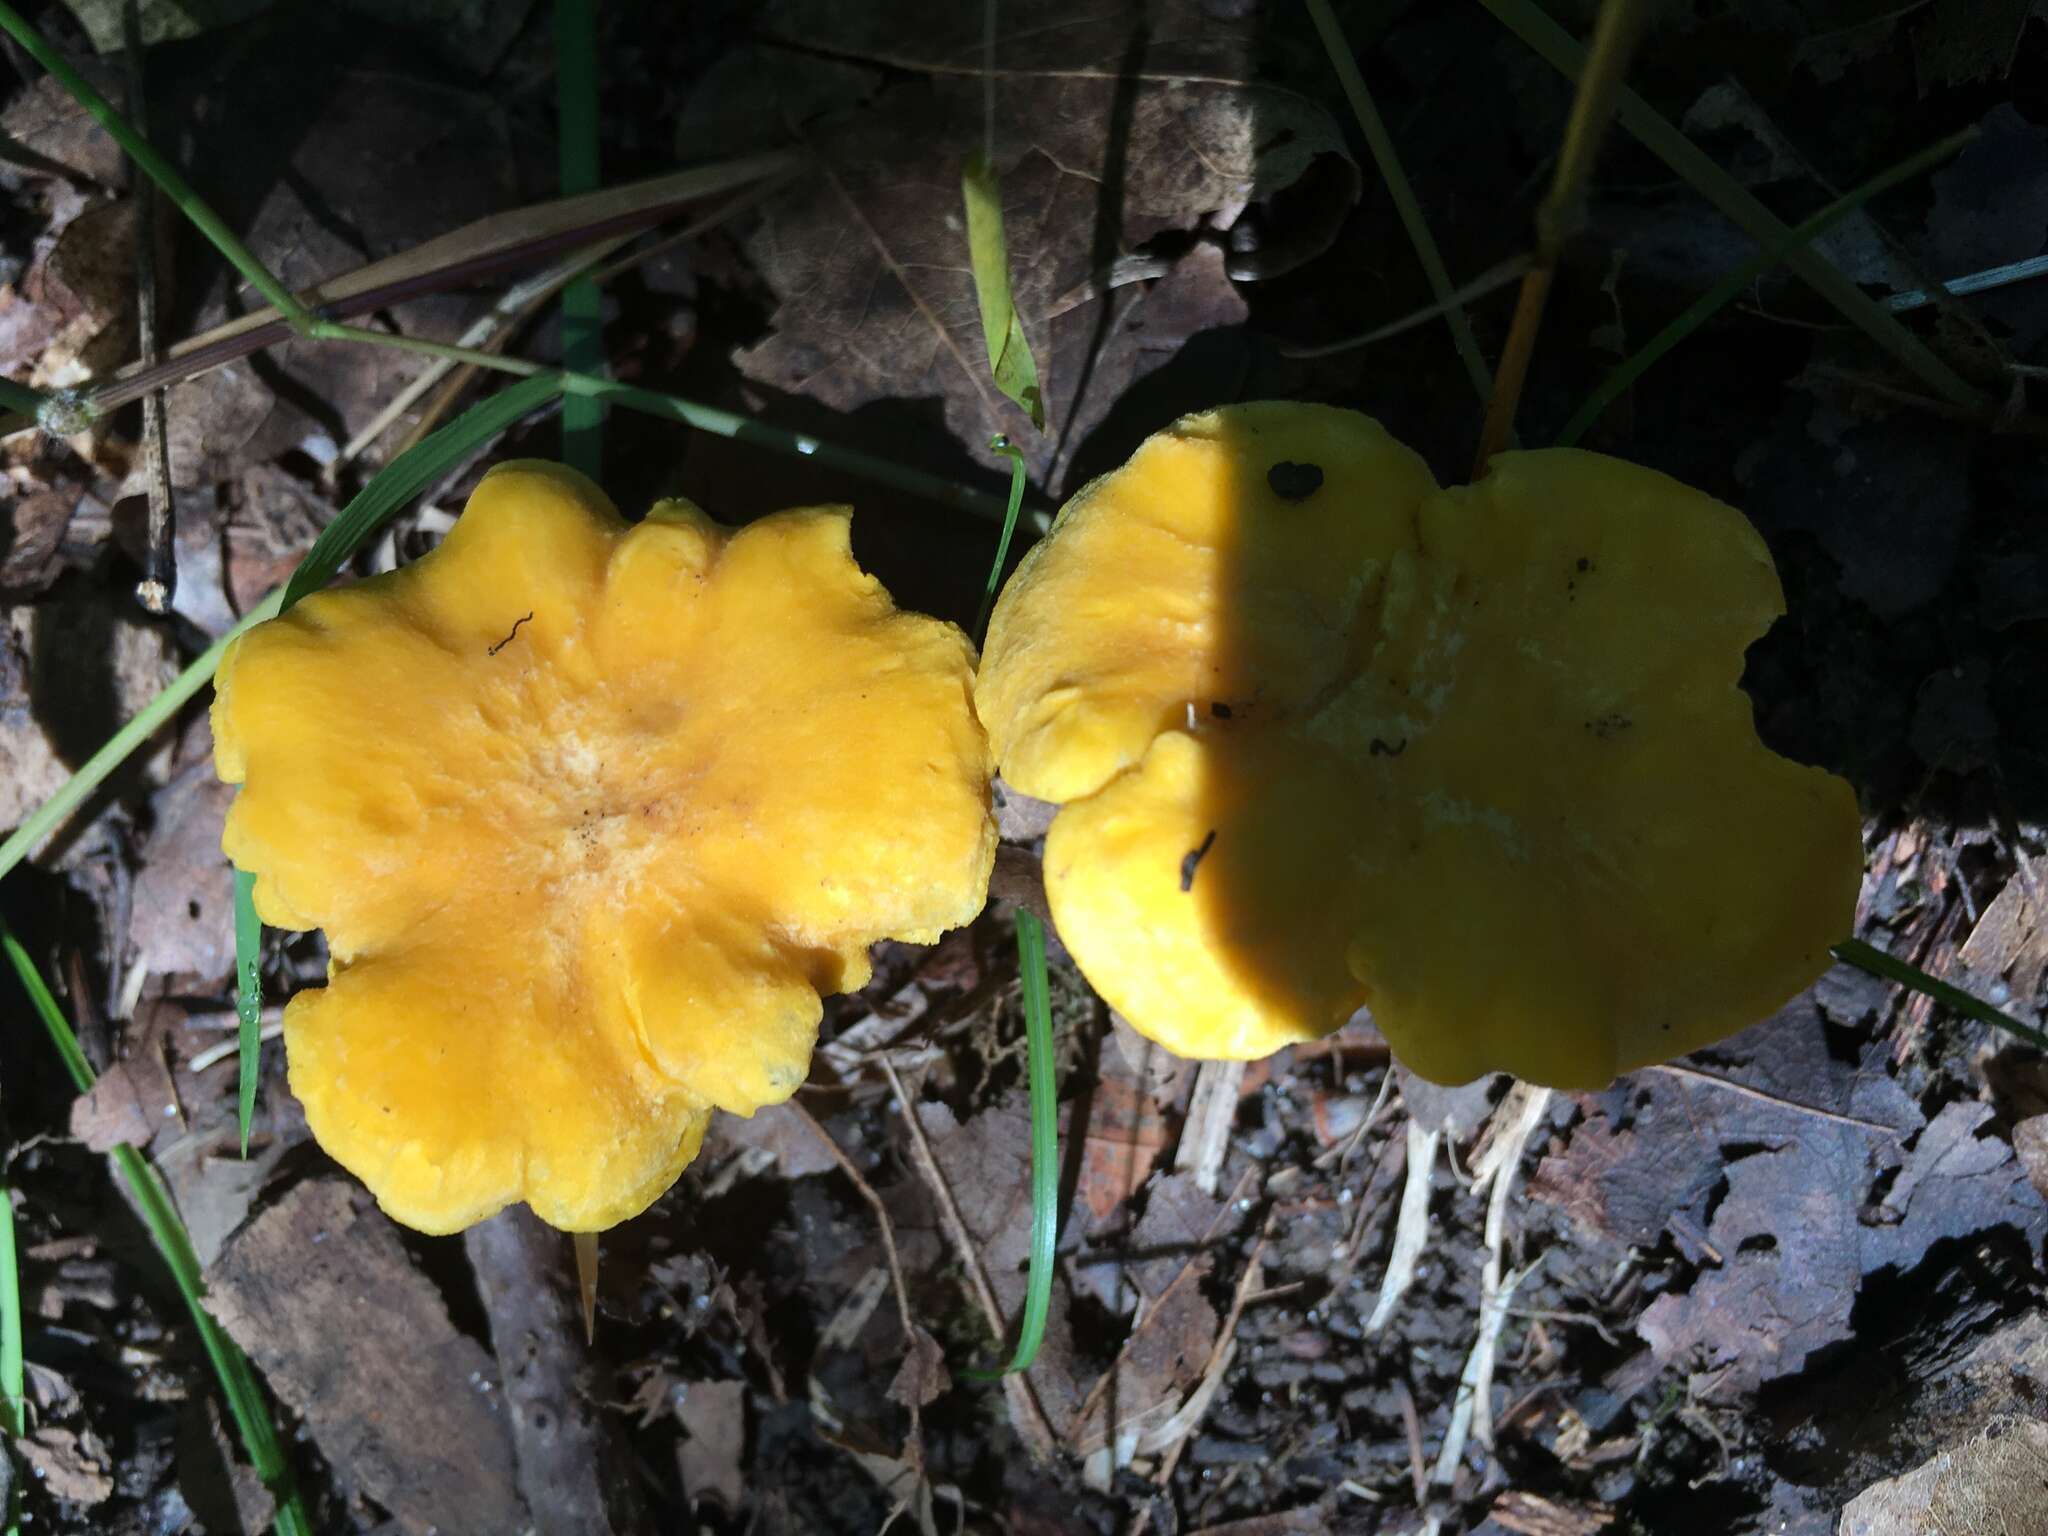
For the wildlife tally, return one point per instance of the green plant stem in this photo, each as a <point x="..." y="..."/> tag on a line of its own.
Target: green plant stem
<point x="237" y="1378"/>
<point x="1615" y="36"/>
<point x="1534" y="27"/>
<point x="19" y="397"/>
<point x="1725" y="292"/>
<point x="1015" y="455"/>
<point x="703" y="418"/>
<point x="13" y="1364"/>
<point x="1867" y="957"/>
<point x="1045" y="1146"/>
<point x="248" y="1001"/>
<point x="1388" y="161"/>
<point x="576" y="82"/>
<point x="155" y="167"/>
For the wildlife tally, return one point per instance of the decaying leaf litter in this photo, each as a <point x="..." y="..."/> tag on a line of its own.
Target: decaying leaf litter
<point x="1746" y="1287"/>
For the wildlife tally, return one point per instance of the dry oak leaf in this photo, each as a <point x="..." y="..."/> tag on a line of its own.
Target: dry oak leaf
<point x="1111" y="125"/>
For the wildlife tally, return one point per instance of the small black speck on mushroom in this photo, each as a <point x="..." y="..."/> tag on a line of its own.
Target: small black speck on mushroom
<point x="1295" y="482"/>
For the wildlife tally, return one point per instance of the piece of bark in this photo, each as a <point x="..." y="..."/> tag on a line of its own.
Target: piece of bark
<point x="572" y="1469"/>
<point x="322" y="1295"/>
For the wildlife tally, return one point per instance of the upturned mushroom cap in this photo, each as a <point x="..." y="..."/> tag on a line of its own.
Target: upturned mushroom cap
<point x="1328" y="736"/>
<point x="591" y="816"/>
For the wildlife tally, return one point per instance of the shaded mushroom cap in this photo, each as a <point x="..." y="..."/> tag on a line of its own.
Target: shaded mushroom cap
<point x="591" y="815"/>
<point x="1327" y="736"/>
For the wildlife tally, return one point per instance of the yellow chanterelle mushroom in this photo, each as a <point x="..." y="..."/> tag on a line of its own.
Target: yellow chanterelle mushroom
<point x="591" y="816"/>
<point x="1326" y="735"/>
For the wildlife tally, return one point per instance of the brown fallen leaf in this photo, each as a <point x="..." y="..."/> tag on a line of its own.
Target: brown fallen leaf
<point x="714" y="1419"/>
<point x="1996" y="1483"/>
<point x="923" y="1377"/>
<point x="183" y="918"/>
<point x="72" y="670"/>
<point x="773" y="1137"/>
<point x="71" y="1464"/>
<point x="1798" y="1234"/>
<point x="1113" y="124"/>
<point x="2010" y="940"/>
<point x="126" y="1106"/>
<point x="1129" y="1127"/>
<point x="46" y="119"/>
<point x="2030" y="1143"/>
<point x="987" y="1166"/>
<point x="31" y="533"/>
<point x="321" y="1293"/>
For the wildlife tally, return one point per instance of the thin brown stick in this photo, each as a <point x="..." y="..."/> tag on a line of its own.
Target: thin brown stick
<point x="1615" y="36"/>
<point x="1694" y="1075"/>
<point x="1218" y="1361"/>
<point x="874" y="1203"/>
<point x="1025" y="1410"/>
<point x="1411" y="1423"/>
<point x="913" y="1444"/>
<point x="159" y="582"/>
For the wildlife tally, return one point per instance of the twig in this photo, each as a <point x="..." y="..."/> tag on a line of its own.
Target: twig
<point x="1381" y="143"/>
<point x="1614" y="39"/>
<point x="1411" y="1424"/>
<point x="159" y="582"/>
<point x="517" y="304"/>
<point x="1184" y="1423"/>
<point x="1029" y="1417"/>
<point x="569" y="1454"/>
<point x="913" y="1442"/>
<point x="882" y="1223"/>
<point x="1694" y="1075"/>
<point x="1156" y="1309"/>
<point x="1492" y="279"/>
<point x="1212" y="1112"/>
<point x="1411" y="1228"/>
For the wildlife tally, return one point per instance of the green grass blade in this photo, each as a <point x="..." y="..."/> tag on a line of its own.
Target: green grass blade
<point x="576" y="80"/>
<point x="19" y="397"/>
<point x="154" y="166"/>
<point x="1534" y="27"/>
<point x="13" y="1369"/>
<point x="1045" y="1147"/>
<point x="988" y="254"/>
<point x="13" y="1366"/>
<point x="237" y="1378"/>
<point x="1867" y="957"/>
<point x="1015" y="455"/>
<point x="248" y="999"/>
<point x="1381" y="143"/>
<point x="745" y="429"/>
<point x="1730" y="287"/>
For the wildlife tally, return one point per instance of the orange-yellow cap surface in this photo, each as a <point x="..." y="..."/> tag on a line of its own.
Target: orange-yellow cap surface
<point x="1326" y="735"/>
<point x="591" y="815"/>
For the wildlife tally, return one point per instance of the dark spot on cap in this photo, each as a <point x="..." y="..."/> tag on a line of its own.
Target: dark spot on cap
<point x="1585" y="565"/>
<point x="1381" y="748"/>
<point x="1295" y="482"/>
<point x="1194" y="858"/>
<point x="1220" y="710"/>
